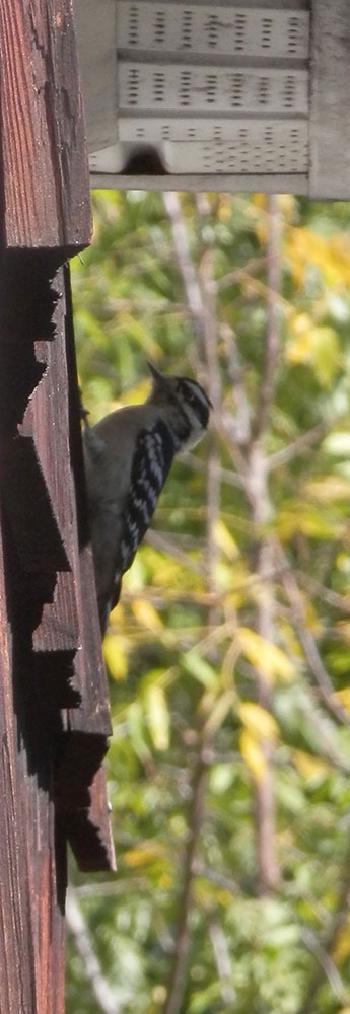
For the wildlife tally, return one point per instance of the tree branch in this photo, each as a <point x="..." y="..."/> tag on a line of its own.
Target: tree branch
<point x="297" y="446"/>
<point x="255" y="264"/>
<point x="201" y="297"/>
<point x="259" y="495"/>
<point x="223" y="962"/>
<point x="188" y="273"/>
<point x="309" y="646"/>
<point x="178" y="975"/>
<point x="328" y="595"/>
<point x="326" y="968"/>
<point x="273" y="337"/>
<point x="106" y="1002"/>
<point x="210" y="327"/>
<point x="241" y="423"/>
<point x="226" y="476"/>
<point x="164" y="544"/>
<point x="215" y="877"/>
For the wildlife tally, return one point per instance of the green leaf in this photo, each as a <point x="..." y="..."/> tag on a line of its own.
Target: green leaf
<point x="198" y="667"/>
<point x="157" y="716"/>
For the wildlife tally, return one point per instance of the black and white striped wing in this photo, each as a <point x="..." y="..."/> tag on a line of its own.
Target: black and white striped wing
<point x="153" y="455"/>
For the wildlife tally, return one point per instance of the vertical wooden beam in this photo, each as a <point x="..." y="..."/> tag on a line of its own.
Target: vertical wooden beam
<point x="45" y="182"/>
<point x="53" y="695"/>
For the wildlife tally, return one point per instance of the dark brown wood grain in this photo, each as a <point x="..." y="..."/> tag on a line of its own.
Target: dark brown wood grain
<point x="32" y="864"/>
<point x="45" y="181"/>
<point x="54" y="714"/>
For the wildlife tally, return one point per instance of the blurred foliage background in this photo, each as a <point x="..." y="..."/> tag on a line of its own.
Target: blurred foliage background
<point x="229" y="651"/>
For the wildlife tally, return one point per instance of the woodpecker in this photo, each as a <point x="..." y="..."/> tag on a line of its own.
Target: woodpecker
<point x="127" y="459"/>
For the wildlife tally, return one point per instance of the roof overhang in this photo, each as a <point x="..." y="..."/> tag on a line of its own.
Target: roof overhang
<point x="228" y="97"/>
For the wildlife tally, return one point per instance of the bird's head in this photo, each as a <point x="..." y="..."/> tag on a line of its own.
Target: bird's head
<point x="183" y="398"/>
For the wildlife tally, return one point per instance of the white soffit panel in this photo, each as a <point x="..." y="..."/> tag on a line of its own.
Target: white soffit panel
<point x="221" y="89"/>
<point x="210" y="89"/>
<point x="204" y="29"/>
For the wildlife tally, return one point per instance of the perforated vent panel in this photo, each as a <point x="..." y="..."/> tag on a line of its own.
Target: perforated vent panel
<point x="204" y="89"/>
<point x="202" y="29"/>
<point x="269" y="147"/>
<point x="214" y="89"/>
<point x="239" y="154"/>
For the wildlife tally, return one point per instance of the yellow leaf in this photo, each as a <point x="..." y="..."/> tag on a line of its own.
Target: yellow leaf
<point x="286" y="204"/>
<point x="343" y="564"/>
<point x="308" y="766"/>
<point x="253" y="755"/>
<point x="343" y="629"/>
<point x="332" y="487"/>
<point x="158" y="716"/>
<point x="341" y="949"/>
<point x="146" y="615"/>
<point x="311" y="522"/>
<point x="259" y="201"/>
<point x="344" y="697"/>
<point x="224" y="540"/>
<point x="314" y="346"/>
<point x="219" y="712"/>
<point x="228" y="664"/>
<point x="137" y="394"/>
<point x="115" y="656"/>
<point x="259" y="722"/>
<point x="338" y="443"/>
<point x="265" y="656"/>
<point x="311" y="618"/>
<point x="146" y="854"/>
<point x="167" y="573"/>
<point x="290" y="640"/>
<point x="330" y="254"/>
<point x="117" y="616"/>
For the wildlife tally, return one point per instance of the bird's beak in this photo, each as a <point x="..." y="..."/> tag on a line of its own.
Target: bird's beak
<point x="157" y="376"/>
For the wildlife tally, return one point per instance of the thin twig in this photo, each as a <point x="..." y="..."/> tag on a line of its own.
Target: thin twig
<point x="297" y="446"/>
<point x="215" y="877"/>
<point x="309" y="645"/>
<point x="161" y="305"/>
<point x="198" y="465"/>
<point x="333" y="598"/>
<point x="166" y="545"/>
<point x="213" y="465"/>
<point x="106" y="1002"/>
<point x="255" y="264"/>
<point x="326" y="968"/>
<point x="273" y="337"/>
<point x="200" y="294"/>
<point x="227" y="430"/>
<point x="322" y="724"/>
<point x="179" y="234"/>
<point x="259" y="495"/>
<point x="223" y="963"/>
<point x="178" y="976"/>
<point x="241" y="422"/>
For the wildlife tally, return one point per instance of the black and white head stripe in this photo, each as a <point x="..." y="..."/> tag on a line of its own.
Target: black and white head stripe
<point x="193" y="394"/>
<point x="153" y="455"/>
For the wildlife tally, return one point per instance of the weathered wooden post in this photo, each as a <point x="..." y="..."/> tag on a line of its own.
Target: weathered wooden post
<point x="54" y="718"/>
